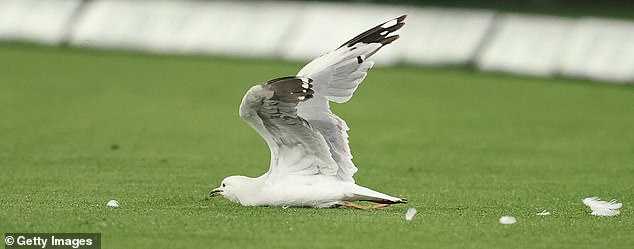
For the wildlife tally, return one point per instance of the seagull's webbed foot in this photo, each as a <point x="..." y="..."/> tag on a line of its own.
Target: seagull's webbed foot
<point x="371" y="207"/>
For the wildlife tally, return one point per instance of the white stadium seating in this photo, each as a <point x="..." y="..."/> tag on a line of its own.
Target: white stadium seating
<point x="600" y="49"/>
<point x="526" y="45"/>
<point x="40" y="21"/>
<point x="593" y="48"/>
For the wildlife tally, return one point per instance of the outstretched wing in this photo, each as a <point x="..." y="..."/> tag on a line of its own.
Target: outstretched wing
<point x="336" y="75"/>
<point x="271" y="109"/>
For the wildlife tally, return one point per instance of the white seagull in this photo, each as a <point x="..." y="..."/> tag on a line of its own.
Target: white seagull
<point x="311" y="164"/>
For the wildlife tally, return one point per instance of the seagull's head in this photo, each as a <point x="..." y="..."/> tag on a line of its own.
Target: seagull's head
<point x="233" y="188"/>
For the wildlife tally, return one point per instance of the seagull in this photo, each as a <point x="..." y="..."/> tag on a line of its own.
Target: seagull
<point x="311" y="163"/>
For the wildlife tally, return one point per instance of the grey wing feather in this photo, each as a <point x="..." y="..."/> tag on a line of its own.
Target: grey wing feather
<point x="271" y="109"/>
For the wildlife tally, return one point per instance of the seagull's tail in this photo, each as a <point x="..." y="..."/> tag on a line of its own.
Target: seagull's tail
<point x="366" y="194"/>
<point x="385" y="201"/>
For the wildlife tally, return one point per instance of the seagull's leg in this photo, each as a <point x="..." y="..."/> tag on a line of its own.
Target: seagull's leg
<point x="352" y="205"/>
<point x="379" y="206"/>
<point x="372" y="207"/>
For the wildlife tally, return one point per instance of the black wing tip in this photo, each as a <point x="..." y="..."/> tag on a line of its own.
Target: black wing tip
<point x="380" y="33"/>
<point x="291" y="89"/>
<point x="389" y="39"/>
<point x="272" y="81"/>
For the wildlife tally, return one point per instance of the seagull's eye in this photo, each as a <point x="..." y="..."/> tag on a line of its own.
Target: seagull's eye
<point x="223" y="185"/>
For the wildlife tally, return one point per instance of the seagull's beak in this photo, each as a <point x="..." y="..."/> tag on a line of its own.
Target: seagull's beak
<point x="216" y="192"/>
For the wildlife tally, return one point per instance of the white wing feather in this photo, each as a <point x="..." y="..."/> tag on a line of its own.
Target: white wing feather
<point x="602" y="208"/>
<point x="336" y="75"/>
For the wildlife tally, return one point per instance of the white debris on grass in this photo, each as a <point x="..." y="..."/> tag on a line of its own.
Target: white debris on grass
<point x="410" y="214"/>
<point x="543" y="213"/>
<point x="113" y="203"/>
<point x="507" y="220"/>
<point x="603" y="208"/>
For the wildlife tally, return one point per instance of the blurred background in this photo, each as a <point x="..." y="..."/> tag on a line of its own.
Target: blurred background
<point x="580" y="39"/>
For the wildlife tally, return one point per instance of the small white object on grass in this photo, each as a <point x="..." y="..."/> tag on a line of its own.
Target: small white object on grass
<point x="507" y="220"/>
<point x="603" y="208"/>
<point x="543" y="213"/>
<point x="113" y="203"/>
<point x="410" y="214"/>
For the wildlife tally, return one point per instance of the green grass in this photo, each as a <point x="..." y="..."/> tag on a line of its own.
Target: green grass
<point x="464" y="147"/>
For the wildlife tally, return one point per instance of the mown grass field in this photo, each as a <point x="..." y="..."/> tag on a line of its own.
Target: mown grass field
<point x="78" y="128"/>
